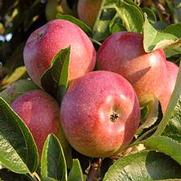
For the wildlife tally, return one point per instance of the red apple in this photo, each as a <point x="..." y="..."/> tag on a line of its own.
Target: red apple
<point x="45" y="42"/>
<point x="100" y="113"/>
<point x="40" y="112"/>
<point x="88" y="10"/>
<point x="118" y="49"/>
<point x="123" y="53"/>
<point x="172" y="72"/>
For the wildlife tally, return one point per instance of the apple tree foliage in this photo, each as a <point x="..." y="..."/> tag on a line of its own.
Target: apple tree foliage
<point x="154" y="154"/>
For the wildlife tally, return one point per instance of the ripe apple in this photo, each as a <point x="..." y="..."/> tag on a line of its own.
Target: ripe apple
<point x="40" y="112"/>
<point x="172" y="72"/>
<point x="100" y="113"/>
<point x="88" y="10"/>
<point x="123" y="53"/>
<point x="118" y="49"/>
<point x="45" y="42"/>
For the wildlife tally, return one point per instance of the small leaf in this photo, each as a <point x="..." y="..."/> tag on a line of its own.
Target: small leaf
<point x="143" y="166"/>
<point x="168" y="39"/>
<point x="131" y="15"/>
<point x="150" y="109"/>
<point x="76" y="21"/>
<point x="18" y="151"/>
<point x="152" y="37"/>
<point x="165" y="145"/>
<point x="150" y="13"/>
<point x="53" y="164"/>
<point x="76" y="172"/>
<point x="17" y="74"/>
<point x="16" y="89"/>
<point x="55" y="79"/>
<point x="105" y="15"/>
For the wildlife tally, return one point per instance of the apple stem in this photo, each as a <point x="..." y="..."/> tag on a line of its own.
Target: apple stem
<point x="94" y="170"/>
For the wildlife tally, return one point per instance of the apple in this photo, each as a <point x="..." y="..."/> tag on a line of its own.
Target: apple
<point x="100" y="113"/>
<point x="45" y="42"/>
<point x="40" y="112"/>
<point x="123" y="53"/>
<point x="172" y="72"/>
<point x="88" y="10"/>
<point x="118" y="49"/>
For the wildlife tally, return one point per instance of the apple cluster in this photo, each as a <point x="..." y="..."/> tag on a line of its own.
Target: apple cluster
<point x="100" y="111"/>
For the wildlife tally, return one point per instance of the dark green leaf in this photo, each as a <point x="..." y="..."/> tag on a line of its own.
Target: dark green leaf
<point x="143" y="166"/>
<point x="150" y="13"/>
<point x="18" y="151"/>
<point x="174" y="29"/>
<point x="53" y="164"/>
<point x="105" y="15"/>
<point x="76" y="172"/>
<point x="165" y="145"/>
<point x="55" y="79"/>
<point x="76" y="21"/>
<point x="131" y="15"/>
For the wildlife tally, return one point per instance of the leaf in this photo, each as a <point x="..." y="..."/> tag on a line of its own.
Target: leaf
<point x="76" y="21"/>
<point x="149" y="111"/>
<point x="174" y="122"/>
<point x="105" y="15"/>
<point x="16" y="89"/>
<point x="143" y="166"/>
<point x="172" y="107"/>
<point x="17" y="74"/>
<point x="152" y="37"/>
<point x="150" y="13"/>
<point x="18" y="151"/>
<point x="76" y="172"/>
<point x="131" y="15"/>
<point x="55" y="79"/>
<point x="174" y="29"/>
<point x="165" y="145"/>
<point x="53" y="164"/>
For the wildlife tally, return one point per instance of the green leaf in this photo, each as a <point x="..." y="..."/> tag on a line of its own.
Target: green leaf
<point x="55" y="79"/>
<point x="131" y="15"/>
<point x="143" y="166"/>
<point x="53" y="164"/>
<point x="18" y="151"/>
<point x="16" y="89"/>
<point x="168" y="39"/>
<point x="172" y="109"/>
<point x="116" y="24"/>
<point x="106" y="14"/>
<point x="174" y="29"/>
<point x="17" y="74"/>
<point x="152" y="37"/>
<point x="174" y="122"/>
<point x="150" y="13"/>
<point x="149" y="112"/>
<point x="76" y="21"/>
<point x="76" y="172"/>
<point x="165" y="145"/>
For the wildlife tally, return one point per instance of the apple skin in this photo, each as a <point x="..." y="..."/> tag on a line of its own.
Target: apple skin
<point x="40" y="112"/>
<point x="88" y="10"/>
<point x="89" y="110"/>
<point x="118" y="49"/>
<point x="123" y="53"/>
<point x="172" y="72"/>
<point x="45" y="42"/>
